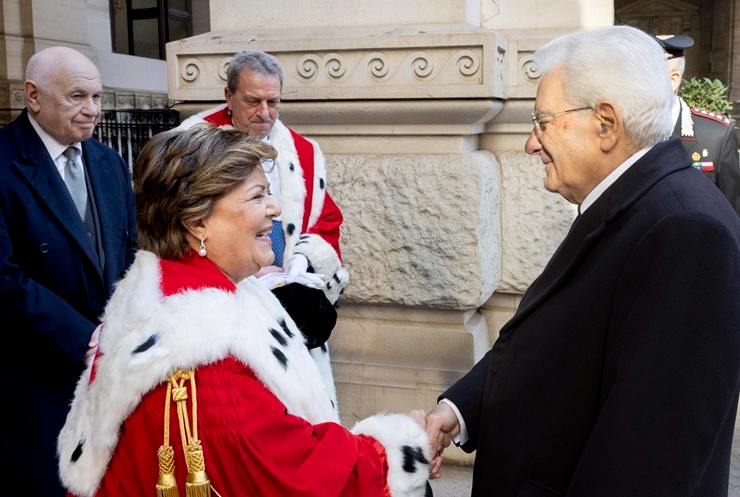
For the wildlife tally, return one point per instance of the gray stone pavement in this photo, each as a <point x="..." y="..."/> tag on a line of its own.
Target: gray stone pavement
<point x="456" y="480"/>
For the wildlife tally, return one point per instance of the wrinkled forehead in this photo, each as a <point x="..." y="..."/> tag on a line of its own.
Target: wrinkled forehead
<point x="256" y="82"/>
<point x="73" y="74"/>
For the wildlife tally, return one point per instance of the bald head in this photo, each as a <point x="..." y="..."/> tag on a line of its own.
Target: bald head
<point x="63" y="91"/>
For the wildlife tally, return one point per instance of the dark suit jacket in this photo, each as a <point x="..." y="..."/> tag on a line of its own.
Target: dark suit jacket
<point x="718" y="139"/>
<point x="618" y="375"/>
<point x="52" y="291"/>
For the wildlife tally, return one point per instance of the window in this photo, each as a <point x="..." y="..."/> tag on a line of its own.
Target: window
<point x="142" y="27"/>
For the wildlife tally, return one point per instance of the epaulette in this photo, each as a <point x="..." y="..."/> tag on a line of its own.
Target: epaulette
<point x="714" y="116"/>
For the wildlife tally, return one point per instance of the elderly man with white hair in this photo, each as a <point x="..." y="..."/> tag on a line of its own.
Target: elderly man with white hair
<point x="618" y="375"/>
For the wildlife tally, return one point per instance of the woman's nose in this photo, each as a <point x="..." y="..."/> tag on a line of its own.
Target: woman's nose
<point x="273" y="209"/>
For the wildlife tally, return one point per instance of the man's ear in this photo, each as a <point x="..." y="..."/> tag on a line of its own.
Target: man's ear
<point x="675" y="76"/>
<point x="610" y="125"/>
<point x="31" y="92"/>
<point x="227" y="96"/>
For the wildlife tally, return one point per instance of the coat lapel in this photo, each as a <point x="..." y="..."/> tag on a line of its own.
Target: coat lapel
<point x="41" y="173"/>
<point x="663" y="159"/>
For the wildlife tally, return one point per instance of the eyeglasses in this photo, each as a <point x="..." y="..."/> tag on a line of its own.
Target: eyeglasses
<point x="540" y="124"/>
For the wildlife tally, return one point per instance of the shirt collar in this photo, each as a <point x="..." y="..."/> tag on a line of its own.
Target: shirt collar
<point x="54" y="148"/>
<point x="675" y="109"/>
<point x="610" y="179"/>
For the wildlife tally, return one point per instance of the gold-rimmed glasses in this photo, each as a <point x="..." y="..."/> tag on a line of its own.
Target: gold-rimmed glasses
<point x="540" y="121"/>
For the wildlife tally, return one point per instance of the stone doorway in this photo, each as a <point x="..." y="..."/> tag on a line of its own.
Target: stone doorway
<point x="711" y="23"/>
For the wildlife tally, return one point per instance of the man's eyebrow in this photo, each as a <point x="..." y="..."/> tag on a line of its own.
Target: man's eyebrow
<point x="255" y="97"/>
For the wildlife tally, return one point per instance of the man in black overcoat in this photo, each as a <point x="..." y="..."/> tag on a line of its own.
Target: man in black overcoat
<point x="618" y="375"/>
<point x="67" y="232"/>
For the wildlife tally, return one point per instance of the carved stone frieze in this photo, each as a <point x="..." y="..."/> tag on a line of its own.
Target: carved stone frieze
<point x="125" y="101"/>
<point x="108" y="100"/>
<point x="143" y="101"/>
<point x="420" y="65"/>
<point x="17" y="98"/>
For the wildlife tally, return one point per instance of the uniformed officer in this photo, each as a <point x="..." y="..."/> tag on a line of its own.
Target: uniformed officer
<point x="708" y="137"/>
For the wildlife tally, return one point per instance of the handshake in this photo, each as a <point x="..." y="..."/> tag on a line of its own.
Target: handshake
<point x="442" y="426"/>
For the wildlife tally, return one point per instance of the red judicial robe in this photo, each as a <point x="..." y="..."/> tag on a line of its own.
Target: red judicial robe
<point x="265" y="418"/>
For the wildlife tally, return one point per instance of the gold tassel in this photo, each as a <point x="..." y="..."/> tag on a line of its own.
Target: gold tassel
<point x="166" y="482"/>
<point x="197" y="483"/>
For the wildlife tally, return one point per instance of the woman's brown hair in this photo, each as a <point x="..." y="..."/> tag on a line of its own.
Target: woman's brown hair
<point x="178" y="177"/>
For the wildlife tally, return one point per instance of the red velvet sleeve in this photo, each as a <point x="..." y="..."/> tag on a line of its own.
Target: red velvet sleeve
<point x="327" y="226"/>
<point x="252" y="445"/>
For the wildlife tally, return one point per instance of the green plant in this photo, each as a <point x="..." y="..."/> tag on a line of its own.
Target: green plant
<point x="705" y="93"/>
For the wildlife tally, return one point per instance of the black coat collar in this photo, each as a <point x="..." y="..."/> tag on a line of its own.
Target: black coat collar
<point x="663" y="159"/>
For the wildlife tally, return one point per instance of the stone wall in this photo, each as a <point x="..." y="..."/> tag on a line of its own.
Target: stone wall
<point x="425" y="229"/>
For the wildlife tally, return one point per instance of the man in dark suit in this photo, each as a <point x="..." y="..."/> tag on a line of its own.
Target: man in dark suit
<point x="708" y="137"/>
<point x="618" y="375"/>
<point x="67" y="232"/>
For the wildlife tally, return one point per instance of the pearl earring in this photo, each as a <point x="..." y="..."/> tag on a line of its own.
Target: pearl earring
<point x="202" y="249"/>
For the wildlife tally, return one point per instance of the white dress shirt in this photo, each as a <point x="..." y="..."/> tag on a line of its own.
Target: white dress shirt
<point x="273" y="176"/>
<point x="56" y="149"/>
<point x="610" y="179"/>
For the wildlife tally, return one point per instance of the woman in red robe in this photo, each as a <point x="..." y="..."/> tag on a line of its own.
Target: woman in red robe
<point x="201" y="382"/>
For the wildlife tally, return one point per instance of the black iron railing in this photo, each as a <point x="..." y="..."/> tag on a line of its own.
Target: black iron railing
<point x="126" y="131"/>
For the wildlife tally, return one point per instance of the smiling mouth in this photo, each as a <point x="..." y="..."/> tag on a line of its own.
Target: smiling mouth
<point x="264" y="235"/>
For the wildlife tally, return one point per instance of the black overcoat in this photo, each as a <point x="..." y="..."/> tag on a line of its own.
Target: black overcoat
<point x="618" y="375"/>
<point x="52" y="292"/>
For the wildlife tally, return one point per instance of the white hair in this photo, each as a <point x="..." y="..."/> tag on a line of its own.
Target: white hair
<point x="619" y="64"/>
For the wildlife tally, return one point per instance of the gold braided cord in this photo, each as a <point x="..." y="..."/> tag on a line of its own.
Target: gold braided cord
<point x="166" y="458"/>
<point x="195" y="407"/>
<point x="197" y="483"/>
<point x="166" y="482"/>
<point x="167" y="399"/>
<point x="196" y="460"/>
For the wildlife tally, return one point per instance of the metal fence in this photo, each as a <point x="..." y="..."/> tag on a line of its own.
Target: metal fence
<point x="126" y="131"/>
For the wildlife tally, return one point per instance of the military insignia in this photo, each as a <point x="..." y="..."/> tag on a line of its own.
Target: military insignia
<point x="696" y="156"/>
<point x="704" y="167"/>
<point x="713" y="116"/>
<point x="705" y="153"/>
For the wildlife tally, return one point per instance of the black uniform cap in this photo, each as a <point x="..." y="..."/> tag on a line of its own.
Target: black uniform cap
<point x="674" y="45"/>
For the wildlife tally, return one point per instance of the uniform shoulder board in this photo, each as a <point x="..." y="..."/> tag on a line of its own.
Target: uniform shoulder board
<point x="714" y="116"/>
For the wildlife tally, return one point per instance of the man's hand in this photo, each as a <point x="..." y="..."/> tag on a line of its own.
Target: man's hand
<point x="295" y="271"/>
<point x="435" y="465"/>
<point x="92" y="346"/>
<point x="441" y="426"/>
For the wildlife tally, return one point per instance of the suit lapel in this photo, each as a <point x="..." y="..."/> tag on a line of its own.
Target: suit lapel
<point x="663" y="159"/>
<point x="41" y="173"/>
